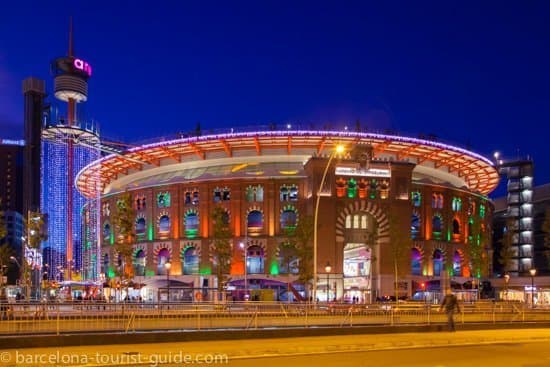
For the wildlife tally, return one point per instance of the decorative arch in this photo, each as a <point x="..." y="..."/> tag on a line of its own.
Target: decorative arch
<point x="456" y="226"/>
<point x="164" y="222"/>
<point x="288" y="216"/>
<point x="363" y="206"/>
<point x="139" y="260"/>
<point x="141" y="225"/>
<point x="159" y="246"/>
<point x="190" y="258"/>
<point x="191" y="223"/>
<point x="254" y="221"/>
<point x="437" y="224"/>
<point x="139" y="247"/>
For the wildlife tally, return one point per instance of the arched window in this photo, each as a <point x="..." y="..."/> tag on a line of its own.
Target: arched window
<point x="348" y="221"/>
<point x="356" y="219"/>
<point x="106" y="231"/>
<point x="456" y="226"/>
<point x="481" y="211"/>
<point x="164" y="224"/>
<point x="289" y="218"/>
<point x="415" y="225"/>
<point x="195" y="198"/>
<point x="222" y="194"/>
<point x="163" y="200"/>
<point x="255" y="221"/>
<point x="187" y="200"/>
<point x="140" y="262"/>
<point x="190" y="261"/>
<point x="436" y="224"/>
<point x="162" y="258"/>
<point x="437" y="200"/>
<point x="284" y="194"/>
<point x="140" y="226"/>
<point x="438" y="262"/>
<point x="363" y="222"/>
<point x="293" y="193"/>
<point x="416" y="198"/>
<point x="255" y="260"/>
<point x="191" y="224"/>
<point x="457" y="204"/>
<point x="255" y="193"/>
<point x="457" y="268"/>
<point x="416" y="262"/>
<point x="470" y="228"/>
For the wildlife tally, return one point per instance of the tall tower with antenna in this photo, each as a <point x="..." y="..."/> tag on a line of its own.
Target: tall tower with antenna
<point x="69" y="144"/>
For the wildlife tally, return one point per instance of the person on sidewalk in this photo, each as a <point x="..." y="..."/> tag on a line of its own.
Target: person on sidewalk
<point x="450" y="304"/>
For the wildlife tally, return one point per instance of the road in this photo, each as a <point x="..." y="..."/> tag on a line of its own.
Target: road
<point x="535" y="354"/>
<point x="487" y="348"/>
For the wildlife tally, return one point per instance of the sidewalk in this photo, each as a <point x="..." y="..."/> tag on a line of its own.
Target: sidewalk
<point x="255" y="348"/>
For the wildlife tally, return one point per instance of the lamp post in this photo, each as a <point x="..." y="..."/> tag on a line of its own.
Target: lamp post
<point x="21" y="275"/>
<point x="328" y="268"/>
<point x="533" y="272"/>
<point x="243" y="247"/>
<point x="506" y="280"/>
<point x="338" y="149"/>
<point x="167" y="266"/>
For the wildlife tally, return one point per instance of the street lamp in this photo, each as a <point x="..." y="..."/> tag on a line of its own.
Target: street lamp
<point x="243" y="247"/>
<point x="338" y="149"/>
<point x="506" y="280"/>
<point x="167" y="266"/>
<point x="533" y="272"/>
<point x="328" y="268"/>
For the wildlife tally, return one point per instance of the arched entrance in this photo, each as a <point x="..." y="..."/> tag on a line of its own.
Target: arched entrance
<point x="361" y="229"/>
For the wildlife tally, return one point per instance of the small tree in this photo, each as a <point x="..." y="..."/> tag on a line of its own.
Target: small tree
<point x="475" y="250"/>
<point x="124" y="219"/>
<point x="221" y="246"/>
<point x="546" y="230"/>
<point x="6" y="252"/>
<point x="300" y="238"/>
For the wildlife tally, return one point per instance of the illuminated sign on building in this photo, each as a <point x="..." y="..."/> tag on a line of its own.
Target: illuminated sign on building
<point x="83" y="65"/>
<point x="371" y="172"/>
<point x="12" y="142"/>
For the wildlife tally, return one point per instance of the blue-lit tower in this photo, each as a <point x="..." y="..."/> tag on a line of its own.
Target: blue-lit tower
<point x="69" y="143"/>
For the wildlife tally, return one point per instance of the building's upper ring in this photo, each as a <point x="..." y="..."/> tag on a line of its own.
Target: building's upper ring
<point x="138" y="167"/>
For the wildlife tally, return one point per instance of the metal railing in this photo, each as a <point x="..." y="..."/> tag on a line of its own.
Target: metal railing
<point x="61" y="318"/>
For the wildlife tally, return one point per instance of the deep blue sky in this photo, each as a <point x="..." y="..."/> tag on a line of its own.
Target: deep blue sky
<point x="476" y="73"/>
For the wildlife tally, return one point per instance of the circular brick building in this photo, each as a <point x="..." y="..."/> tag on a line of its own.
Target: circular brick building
<point x="389" y="202"/>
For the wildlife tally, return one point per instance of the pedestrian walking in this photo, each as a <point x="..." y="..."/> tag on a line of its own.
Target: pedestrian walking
<point x="450" y="305"/>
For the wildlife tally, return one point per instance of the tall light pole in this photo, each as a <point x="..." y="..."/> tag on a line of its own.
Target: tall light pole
<point x="167" y="266"/>
<point x="506" y="280"/>
<point x="338" y="149"/>
<point x="21" y="270"/>
<point x="245" y="250"/>
<point x="328" y="268"/>
<point x="533" y="272"/>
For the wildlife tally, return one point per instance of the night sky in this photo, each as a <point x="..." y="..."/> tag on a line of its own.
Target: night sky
<point x="472" y="73"/>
